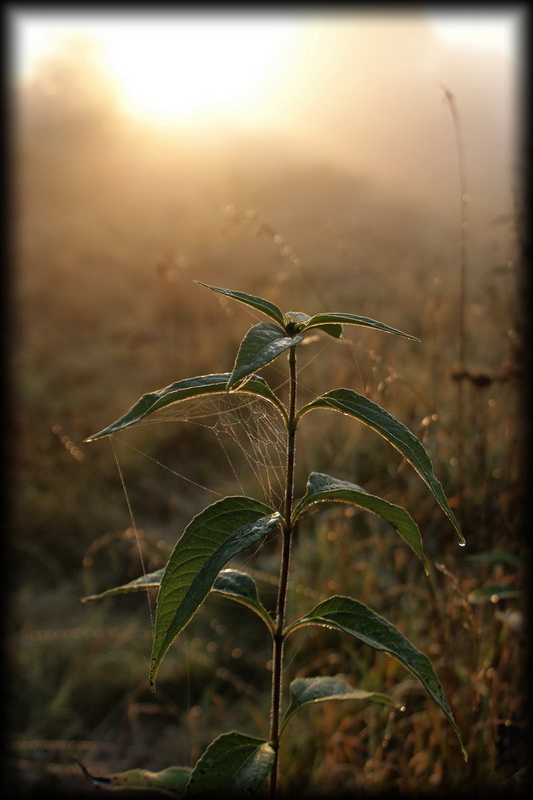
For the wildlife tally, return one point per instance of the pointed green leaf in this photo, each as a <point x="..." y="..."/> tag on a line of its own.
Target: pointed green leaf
<point x="233" y="766"/>
<point x="216" y="534"/>
<point x="358" y="620"/>
<point x="305" y="691"/>
<point x="241" y="587"/>
<point x="322" y="488"/>
<point x="261" y="345"/>
<point x="318" y="320"/>
<point x="172" y="779"/>
<point x="268" y="308"/>
<point x="184" y="390"/>
<point x="151" y="580"/>
<point x="231" y="583"/>
<point x="348" y="402"/>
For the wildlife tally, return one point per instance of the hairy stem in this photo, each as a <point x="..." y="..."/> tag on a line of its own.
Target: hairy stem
<point x="277" y="650"/>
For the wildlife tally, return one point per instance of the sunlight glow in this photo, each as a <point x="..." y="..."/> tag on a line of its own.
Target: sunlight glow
<point x="177" y="67"/>
<point x="198" y="65"/>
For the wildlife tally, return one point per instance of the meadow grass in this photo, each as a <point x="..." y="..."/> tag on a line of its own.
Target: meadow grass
<point x="106" y="309"/>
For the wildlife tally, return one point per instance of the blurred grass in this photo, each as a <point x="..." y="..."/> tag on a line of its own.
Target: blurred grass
<point x="112" y="226"/>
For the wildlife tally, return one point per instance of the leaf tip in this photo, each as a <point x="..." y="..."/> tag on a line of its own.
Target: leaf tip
<point x="94" y="436"/>
<point x="94" y="779"/>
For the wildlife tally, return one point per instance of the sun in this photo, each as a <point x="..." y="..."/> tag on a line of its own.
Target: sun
<point x="199" y="66"/>
<point x="178" y="67"/>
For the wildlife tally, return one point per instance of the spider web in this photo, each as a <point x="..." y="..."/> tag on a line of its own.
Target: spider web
<point x="249" y="431"/>
<point x="251" y="435"/>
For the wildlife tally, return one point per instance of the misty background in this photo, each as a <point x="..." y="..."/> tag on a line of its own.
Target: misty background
<point x="337" y="190"/>
<point x="363" y="94"/>
<point x="345" y="195"/>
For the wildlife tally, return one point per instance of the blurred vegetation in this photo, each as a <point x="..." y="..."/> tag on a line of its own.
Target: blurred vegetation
<point x="112" y="223"/>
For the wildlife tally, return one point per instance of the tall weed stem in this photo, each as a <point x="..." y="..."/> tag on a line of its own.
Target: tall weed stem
<point x="463" y="274"/>
<point x="277" y="650"/>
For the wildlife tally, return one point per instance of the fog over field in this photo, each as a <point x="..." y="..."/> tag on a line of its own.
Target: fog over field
<point x="365" y="92"/>
<point x="372" y="102"/>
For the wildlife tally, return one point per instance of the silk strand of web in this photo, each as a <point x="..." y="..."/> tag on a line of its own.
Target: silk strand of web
<point x="133" y="525"/>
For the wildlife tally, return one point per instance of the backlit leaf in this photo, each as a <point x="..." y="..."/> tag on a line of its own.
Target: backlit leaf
<point x="318" y="320"/>
<point x="151" y="580"/>
<point x="230" y="583"/>
<point x="184" y="390"/>
<point x="216" y="534"/>
<point x="241" y="587"/>
<point x="307" y="691"/>
<point x="268" y="308"/>
<point x="348" y="402"/>
<point x="233" y="766"/>
<point x="261" y="345"/>
<point x="322" y="488"/>
<point x="171" y="780"/>
<point x="358" y="620"/>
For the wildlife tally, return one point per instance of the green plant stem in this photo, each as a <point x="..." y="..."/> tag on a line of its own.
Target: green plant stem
<point x="277" y="649"/>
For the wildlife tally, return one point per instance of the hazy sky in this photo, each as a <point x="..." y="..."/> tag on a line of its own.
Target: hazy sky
<point x="362" y="89"/>
<point x="34" y="31"/>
